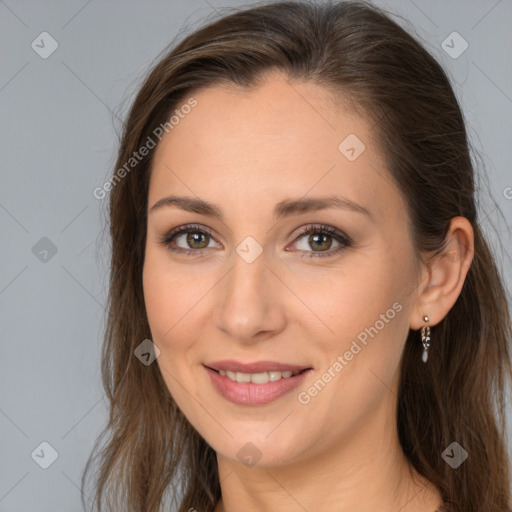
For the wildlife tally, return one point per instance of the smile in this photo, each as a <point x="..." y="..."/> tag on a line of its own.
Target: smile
<point x="256" y="387"/>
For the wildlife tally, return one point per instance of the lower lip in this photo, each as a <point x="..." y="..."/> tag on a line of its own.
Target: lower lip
<point x="247" y="393"/>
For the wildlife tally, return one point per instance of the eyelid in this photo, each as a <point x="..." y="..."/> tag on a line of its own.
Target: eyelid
<point x="322" y="228"/>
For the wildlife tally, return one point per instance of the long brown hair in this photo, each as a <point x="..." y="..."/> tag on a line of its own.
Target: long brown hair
<point x="359" y="53"/>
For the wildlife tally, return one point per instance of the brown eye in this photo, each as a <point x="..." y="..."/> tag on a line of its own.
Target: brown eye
<point x="319" y="239"/>
<point x="193" y="239"/>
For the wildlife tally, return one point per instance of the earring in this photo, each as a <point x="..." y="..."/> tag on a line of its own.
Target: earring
<point x="425" y="339"/>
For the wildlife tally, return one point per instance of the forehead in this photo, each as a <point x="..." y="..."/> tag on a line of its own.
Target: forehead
<point x="279" y="113"/>
<point x="281" y="138"/>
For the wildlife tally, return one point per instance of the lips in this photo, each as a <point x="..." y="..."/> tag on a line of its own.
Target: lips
<point x="255" y="383"/>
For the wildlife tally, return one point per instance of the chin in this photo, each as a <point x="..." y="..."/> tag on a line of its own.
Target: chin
<point x="259" y="451"/>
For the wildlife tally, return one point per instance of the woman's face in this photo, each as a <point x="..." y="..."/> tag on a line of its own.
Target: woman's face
<point x="251" y="296"/>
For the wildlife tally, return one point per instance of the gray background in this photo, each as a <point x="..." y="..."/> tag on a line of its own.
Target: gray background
<point x="59" y="118"/>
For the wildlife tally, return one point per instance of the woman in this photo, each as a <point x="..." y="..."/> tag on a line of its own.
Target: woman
<point x="304" y="313"/>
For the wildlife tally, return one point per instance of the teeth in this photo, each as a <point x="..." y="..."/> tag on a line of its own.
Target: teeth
<point x="243" y="377"/>
<point x="257" y="378"/>
<point x="274" y="376"/>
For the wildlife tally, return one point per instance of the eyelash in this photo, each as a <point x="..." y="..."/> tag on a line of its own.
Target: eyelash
<point x="340" y="237"/>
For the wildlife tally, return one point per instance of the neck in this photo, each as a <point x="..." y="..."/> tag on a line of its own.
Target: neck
<point x="364" y="472"/>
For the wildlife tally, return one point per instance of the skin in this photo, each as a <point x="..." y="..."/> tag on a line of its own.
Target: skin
<point x="245" y="152"/>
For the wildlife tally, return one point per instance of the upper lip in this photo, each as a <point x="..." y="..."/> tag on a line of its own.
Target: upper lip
<point x="256" y="367"/>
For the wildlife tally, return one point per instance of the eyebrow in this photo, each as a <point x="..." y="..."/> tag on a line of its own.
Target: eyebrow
<point x="285" y="208"/>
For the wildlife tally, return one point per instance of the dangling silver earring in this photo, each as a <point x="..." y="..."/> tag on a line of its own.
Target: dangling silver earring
<point x="425" y="339"/>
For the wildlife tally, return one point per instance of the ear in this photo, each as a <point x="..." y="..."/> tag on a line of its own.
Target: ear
<point x="444" y="274"/>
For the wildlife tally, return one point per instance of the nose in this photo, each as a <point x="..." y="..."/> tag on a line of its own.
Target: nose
<point x="249" y="300"/>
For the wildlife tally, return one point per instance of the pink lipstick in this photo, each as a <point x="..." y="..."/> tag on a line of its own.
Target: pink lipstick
<point x="256" y="383"/>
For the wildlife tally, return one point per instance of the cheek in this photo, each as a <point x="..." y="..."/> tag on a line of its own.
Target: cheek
<point x="172" y="296"/>
<point x="352" y="296"/>
<point x="363" y="308"/>
<point x="166" y="312"/>
<point x="359" y="359"/>
<point x="159" y="299"/>
<point x="171" y="303"/>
